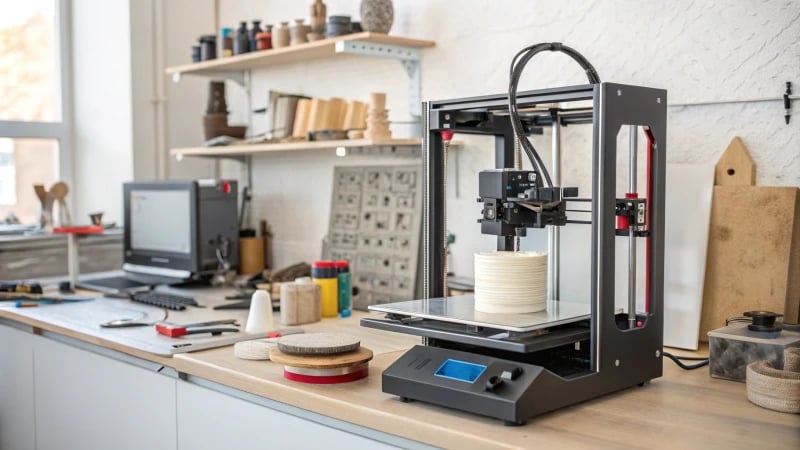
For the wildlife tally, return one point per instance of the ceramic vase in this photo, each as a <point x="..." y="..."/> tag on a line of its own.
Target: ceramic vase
<point x="298" y="32"/>
<point x="377" y="15"/>
<point x="319" y="13"/>
<point x="280" y="35"/>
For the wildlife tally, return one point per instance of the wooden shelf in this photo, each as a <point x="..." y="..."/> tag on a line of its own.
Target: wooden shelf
<point x="298" y="53"/>
<point x="254" y="149"/>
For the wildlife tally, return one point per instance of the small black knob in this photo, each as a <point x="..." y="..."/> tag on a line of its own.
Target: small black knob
<point x="493" y="382"/>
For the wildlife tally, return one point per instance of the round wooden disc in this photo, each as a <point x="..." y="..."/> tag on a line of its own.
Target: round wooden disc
<point x="254" y="350"/>
<point x="359" y="356"/>
<point x="318" y="343"/>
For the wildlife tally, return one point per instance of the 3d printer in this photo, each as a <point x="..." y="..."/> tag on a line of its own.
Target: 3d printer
<point x="513" y="367"/>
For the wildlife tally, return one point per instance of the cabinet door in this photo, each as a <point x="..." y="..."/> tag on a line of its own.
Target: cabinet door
<point x="16" y="389"/>
<point x="88" y="401"/>
<point x="211" y="420"/>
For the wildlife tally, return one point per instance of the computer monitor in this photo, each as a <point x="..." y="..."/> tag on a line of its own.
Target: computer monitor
<point x="180" y="229"/>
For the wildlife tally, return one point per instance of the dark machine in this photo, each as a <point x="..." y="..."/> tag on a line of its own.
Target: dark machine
<point x="514" y="367"/>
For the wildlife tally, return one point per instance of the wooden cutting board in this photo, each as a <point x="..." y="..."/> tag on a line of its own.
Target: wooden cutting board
<point x="753" y="258"/>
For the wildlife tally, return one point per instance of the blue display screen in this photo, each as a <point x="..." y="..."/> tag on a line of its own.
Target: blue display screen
<point x="460" y="370"/>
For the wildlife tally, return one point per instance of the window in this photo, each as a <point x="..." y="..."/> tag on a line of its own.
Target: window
<point x="34" y="119"/>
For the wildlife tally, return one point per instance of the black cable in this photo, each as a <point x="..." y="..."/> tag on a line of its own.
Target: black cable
<point x="677" y="360"/>
<point x="738" y="319"/>
<point x="691" y="358"/>
<point x="518" y="64"/>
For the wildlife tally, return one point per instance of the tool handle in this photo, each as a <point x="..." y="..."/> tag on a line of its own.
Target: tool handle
<point x="213" y="331"/>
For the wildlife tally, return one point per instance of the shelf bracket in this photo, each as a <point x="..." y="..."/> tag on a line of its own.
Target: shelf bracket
<point x="409" y="57"/>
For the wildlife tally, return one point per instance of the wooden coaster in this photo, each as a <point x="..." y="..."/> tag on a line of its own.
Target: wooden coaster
<point x="359" y="356"/>
<point x="318" y="344"/>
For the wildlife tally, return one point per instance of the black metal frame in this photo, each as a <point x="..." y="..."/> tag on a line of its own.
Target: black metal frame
<point x="619" y="357"/>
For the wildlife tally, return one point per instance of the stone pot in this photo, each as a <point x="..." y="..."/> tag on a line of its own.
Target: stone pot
<point x="377" y="15"/>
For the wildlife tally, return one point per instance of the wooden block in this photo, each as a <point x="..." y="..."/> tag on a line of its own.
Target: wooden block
<point x="735" y="167"/>
<point x="336" y="107"/>
<point x="354" y="115"/>
<point x="377" y="101"/>
<point x="318" y="116"/>
<point x="301" y="116"/>
<point x="753" y="254"/>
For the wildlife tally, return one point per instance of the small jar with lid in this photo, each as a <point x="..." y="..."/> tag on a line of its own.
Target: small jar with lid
<point x="208" y="47"/>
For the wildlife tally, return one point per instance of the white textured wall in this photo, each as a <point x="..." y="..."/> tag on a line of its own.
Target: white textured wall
<point x="696" y="50"/>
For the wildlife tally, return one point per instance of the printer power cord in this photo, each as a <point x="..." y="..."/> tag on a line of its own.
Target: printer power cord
<point x="679" y="361"/>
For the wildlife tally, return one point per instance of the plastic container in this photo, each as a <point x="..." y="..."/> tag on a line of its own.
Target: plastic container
<point x="325" y="275"/>
<point x="343" y="275"/>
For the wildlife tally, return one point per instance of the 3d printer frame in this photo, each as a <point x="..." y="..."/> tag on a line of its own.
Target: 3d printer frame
<point x="619" y="351"/>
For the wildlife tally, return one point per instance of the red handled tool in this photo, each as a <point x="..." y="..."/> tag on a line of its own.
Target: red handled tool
<point x="176" y="330"/>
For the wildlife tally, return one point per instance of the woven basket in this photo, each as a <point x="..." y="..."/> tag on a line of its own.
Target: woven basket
<point x="776" y="389"/>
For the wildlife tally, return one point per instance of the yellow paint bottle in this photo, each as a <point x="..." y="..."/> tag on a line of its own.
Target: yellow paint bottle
<point x="324" y="273"/>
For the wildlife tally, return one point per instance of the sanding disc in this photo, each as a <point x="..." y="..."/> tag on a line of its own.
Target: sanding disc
<point x="318" y="344"/>
<point x="327" y="376"/>
<point x="257" y="349"/>
<point x="359" y="356"/>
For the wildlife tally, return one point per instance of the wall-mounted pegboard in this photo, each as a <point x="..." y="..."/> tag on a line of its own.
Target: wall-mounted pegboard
<point x="375" y="223"/>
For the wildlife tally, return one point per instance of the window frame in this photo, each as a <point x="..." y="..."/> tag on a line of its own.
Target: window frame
<point x="61" y="130"/>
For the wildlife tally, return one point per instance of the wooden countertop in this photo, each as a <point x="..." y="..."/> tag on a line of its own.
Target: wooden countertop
<point x="682" y="409"/>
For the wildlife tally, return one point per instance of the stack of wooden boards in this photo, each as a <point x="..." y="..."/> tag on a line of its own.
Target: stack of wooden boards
<point x="333" y="114"/>
<point x="754" y="245"/>
<point x="322" y="358"/>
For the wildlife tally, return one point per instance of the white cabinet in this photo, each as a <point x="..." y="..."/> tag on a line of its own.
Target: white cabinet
<point x="16" y="389"/>
<point x="211" y="420"/>
<point x="60" y="394"/>
<point x="87" y="401"/>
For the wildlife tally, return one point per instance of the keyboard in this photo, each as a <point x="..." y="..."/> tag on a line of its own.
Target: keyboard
<point x="162" y="300"/>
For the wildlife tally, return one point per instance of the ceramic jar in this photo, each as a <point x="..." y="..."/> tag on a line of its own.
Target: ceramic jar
<point x="298" y="32"/>
<point x="281" y="36"/>
<point x="377" y="15"/>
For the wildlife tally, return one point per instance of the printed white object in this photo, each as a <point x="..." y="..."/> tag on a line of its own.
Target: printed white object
<point x="260" y="319"/>
<point x="510" y="282"/>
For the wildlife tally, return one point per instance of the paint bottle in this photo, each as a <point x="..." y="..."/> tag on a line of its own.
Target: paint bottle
<point x="227" y="42"/>
<point x="324" y="274"/>
<point x="343" y="275"/>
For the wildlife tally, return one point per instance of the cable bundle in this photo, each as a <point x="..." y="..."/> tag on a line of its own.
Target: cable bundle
<point x="510" y="282"/>
<point x="515" y="72"/>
